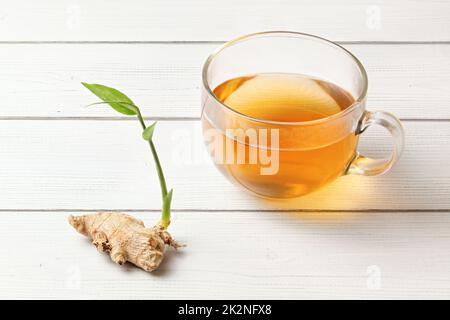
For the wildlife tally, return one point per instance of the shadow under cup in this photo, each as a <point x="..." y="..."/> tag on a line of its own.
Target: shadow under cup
<point x="289" y="159"/>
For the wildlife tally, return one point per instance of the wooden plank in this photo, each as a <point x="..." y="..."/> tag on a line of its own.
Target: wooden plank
<point x="106" y="165"/>
<point x="238" y="255"/>
<point x="162" y="20"/>
<point x="43" y="80"/>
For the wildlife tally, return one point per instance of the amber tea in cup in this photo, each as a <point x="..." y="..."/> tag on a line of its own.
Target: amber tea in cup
<point x="282" y="113"/>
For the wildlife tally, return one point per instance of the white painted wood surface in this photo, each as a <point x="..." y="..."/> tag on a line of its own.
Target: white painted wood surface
<point x="57" y="157"/>
<point x="77" y="164"/>
<point x="43" y="80"/>
<point x="205" y="20"/>
<point x="238" y="255"/>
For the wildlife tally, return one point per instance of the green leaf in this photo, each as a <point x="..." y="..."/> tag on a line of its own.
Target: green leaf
<point x="148" y="132"/>
<point x="116" y="99"/>
<point x="166" y="209"/>
<point x="168" y="199"/>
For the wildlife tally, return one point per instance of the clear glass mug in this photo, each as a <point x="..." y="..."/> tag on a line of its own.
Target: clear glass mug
<point x="310" y="154"/>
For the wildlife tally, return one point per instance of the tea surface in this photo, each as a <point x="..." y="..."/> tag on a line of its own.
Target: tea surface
<point x="283" y="97"/>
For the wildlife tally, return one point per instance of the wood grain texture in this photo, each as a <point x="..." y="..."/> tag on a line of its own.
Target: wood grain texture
<point x="163" y="20"/>
<point x="105" y="165"/>
<point x="43" y="80"/>
<point x="237" y="255"/>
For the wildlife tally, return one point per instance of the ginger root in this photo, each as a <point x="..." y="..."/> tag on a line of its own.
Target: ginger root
<point x="125" y="238"/>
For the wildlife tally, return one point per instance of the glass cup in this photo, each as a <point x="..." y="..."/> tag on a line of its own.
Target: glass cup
<point x="288" y="159"/>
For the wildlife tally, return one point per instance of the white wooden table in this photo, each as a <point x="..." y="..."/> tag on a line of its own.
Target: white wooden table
<point x="361" y="237"/>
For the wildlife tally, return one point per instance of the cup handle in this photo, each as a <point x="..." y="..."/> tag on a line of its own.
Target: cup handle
<point x="371" y="167"/>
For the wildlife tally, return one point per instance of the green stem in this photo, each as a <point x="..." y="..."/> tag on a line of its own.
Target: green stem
<point x="165" y="219"/>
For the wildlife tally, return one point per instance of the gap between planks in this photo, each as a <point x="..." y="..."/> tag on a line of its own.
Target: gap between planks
<point x="25" y="118"/>
<point x="234" y="210"/>
<point x="201" y="42"/>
